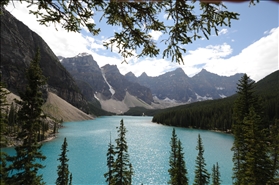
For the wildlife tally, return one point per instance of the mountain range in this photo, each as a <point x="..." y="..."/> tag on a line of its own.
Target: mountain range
<point x="107" y="85"/>
<point x="83" y="83"/>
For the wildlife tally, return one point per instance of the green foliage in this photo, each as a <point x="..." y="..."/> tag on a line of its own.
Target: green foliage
<point x="201" y="174"/>
<point x="137" y="20"/>
<point x="3" y="168"/>
<point x="177" y="171"/>
<point x="245" y="100"/>
<point x="110" y="161"/>
<point x="275" y="150"/>
<point x="173" y="158"/>
<point x="216" y="175"/>
<point x="120" y="169"/>
<point x="24" y="165"/>
<point x="213" y="114"/>
<point x="257" y="164"/>
<point x="63" y="167"/>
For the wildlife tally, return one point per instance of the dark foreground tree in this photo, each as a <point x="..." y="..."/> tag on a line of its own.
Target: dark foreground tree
<point x="122" y="170"/>
<point x="257" y="163"/>
<point x="245" y="100"/>
<point x="110" y="161"/>
<point x="274" y="151"/>
<point x="177" y="171"/>
<point x="137" y="20"/>
<point x="201" y="174"/>
<point x="173" y="157"/>
<point x="251" y="159"/>
<point x="64" y="177"/>
<point x="25" y="164"/>
<point x="216" y="175"/>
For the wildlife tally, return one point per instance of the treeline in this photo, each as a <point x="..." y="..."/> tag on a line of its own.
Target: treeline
<point x="217" y="114"/>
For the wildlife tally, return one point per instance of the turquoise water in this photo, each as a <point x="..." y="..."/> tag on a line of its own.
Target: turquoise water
<point x="148" y="147"/>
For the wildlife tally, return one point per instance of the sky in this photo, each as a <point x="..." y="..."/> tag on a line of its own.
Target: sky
<point x="249" y="46"/>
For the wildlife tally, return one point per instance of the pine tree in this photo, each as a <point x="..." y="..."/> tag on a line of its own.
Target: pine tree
<point x="274" y="151"/>
<point x="63" y="168"/>
<point x="245" y="100"/>
<point x="3" y="169"/>
<point x="257" y="161"/>
<point x="71" y="179"/>
<point x="110" y="161"/>
<point x="181" y="175"/>
<point x="173" y="157"/>
<point x="216" y="175"/>
<point x="251" y="157"/>
<point x="25" y="164"/>
<point x="122" y="168"/>
<point x="201" y="174"/>
<point x="177" y="171"/>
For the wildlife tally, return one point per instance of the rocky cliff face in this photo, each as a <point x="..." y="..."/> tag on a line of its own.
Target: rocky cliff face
<point x="88" y="75"/>
<point x="106" y="82"/>
<point x="18" y="47"/>
<point x="121" y="85"/>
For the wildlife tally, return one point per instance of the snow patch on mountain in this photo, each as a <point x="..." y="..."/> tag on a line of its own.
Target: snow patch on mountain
<point x="203" y="98"/>
<point x="220" y="88"/>
<point x="222" y="96"/>
<point x="82" y="54"/>
<point x="112" y="91"/>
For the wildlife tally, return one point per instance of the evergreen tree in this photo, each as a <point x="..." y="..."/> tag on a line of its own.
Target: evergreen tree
<point x="3" y="169"/>
<point x="110" y="161"/>
<point x="173" y="157"/>
<point x="274" y="151"/>
<point x="25" y="164"/>
<point x="216" y="175"/>
<point x="256" y="160"/>
<point x="71" y="179"/>
<point x="181" y="175"/>
<point x="122" y="168"/>
<point x="177" y="171"/>
<point x="63" y="168"/>
<point x="245" y="100"/>
<point x="201" y="174"/>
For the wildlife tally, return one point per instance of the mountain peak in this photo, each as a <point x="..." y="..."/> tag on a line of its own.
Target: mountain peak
<point x="143" y="75"/>
<point x="130" y="74"/>
<point x="83" y="54"/>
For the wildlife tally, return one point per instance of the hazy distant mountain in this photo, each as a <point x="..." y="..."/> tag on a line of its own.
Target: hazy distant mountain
<point x="177" y="86"/>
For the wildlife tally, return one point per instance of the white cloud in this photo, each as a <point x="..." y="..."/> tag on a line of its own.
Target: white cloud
<point x="223" y="31"/>
<point x="155" y="34"/>
<point x="257" y="60"/>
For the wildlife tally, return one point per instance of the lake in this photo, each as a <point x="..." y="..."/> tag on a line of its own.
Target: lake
<point x="148" y="147"/>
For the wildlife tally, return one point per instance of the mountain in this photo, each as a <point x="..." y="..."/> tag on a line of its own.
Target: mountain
<point x="88" y="76"/>
<point x="217" y="114"/>
<point x="208" y="84"/>
<point x="106" y="85"/>
<point x="178" y="87"/>
<point x="18" y="47"/>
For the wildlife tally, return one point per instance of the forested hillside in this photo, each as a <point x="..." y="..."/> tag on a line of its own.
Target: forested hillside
<point x="217" y="114"/>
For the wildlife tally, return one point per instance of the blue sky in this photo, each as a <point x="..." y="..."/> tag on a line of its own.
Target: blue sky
<point x="249" y="46"/>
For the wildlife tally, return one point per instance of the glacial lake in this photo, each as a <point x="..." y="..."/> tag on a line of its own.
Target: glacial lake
<point x="148" y="147"/>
